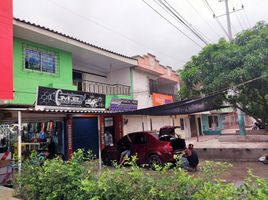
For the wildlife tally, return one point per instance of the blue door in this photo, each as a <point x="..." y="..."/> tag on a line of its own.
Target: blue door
<point x="85" y="134"/>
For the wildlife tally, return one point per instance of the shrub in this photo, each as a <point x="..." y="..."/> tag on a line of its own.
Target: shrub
<point x="80" y="179"/>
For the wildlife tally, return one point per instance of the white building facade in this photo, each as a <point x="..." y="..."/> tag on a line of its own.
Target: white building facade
<point x="153" y="85"/>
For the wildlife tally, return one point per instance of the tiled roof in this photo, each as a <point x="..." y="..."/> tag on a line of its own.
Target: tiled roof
<point x="70" y="37"/>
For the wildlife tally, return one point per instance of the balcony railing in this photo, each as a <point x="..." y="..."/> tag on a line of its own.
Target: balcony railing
<point x="102" y="88"/>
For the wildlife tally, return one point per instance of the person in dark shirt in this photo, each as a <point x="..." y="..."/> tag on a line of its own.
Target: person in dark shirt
<point x="190" y="159"/>
<point x="51" y="148"/>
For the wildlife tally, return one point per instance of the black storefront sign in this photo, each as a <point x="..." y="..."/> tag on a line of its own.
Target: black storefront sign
<point x="67" y="98"/>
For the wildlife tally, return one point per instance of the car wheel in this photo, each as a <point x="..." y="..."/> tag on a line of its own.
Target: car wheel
<point x="154" y="160"/>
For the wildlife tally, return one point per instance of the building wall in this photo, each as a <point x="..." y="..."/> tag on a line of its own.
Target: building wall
<point x="121" y="76"/>
<point x="137" y="123"/>
<point x="27" y="81"/>
<point x="6" y="45"/>
<point x="141" y="88"/>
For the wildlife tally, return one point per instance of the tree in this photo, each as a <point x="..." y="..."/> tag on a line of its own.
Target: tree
<point x="241" y="64"/>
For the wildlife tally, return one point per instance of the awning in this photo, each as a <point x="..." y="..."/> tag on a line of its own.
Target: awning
<point x="66" y="110"/>
<point x="182" y="107"/>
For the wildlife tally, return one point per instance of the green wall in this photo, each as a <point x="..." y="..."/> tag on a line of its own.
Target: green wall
<point x="209" y="131"/>
<point x="27" y="81"/>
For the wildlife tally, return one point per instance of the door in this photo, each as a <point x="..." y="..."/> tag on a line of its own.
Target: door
<point x="85" y="134"/>
<point x="193" y="126"/>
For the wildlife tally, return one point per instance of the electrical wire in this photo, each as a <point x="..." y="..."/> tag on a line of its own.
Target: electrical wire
<point x="173" y="12"/>
<point x="137" y="43"/>
<point x="221" y="91"/>
<point x="208" y="24"/>
<point x="242" y="27"/>
<point x="172" y="24"/>
<point x="246" y="16"/>
<point x="214" y="16"/>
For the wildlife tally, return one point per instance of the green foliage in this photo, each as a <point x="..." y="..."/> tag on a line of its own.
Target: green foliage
<point x="227" y="64"/>
<point x="80" y="179"/>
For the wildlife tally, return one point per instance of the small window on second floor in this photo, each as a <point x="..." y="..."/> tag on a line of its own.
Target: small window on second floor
<point x="152" y="86"/>
<point x="40" y="61"/>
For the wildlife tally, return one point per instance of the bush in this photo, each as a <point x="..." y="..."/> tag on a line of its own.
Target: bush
<point x="80" y="179"/>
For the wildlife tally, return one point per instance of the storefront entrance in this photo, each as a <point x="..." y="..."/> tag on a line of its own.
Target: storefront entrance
<point x="85" y="134"/>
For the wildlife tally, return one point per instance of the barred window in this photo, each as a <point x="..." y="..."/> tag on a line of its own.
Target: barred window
<point x="40" y="61"/>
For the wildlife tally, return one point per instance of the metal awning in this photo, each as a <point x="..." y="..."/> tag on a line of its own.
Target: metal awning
<point x="182" y="107"/>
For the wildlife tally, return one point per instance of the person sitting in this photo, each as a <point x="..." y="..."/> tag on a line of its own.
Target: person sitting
<point x="125" y="154"/>
<point x="190" y="158"/>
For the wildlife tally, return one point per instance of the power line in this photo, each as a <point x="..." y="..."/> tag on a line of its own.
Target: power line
<point x="246" y="16"/>
<point x="171" y="23"/>
<point x="221" y="91"/>
<point x="238" y="20"/>
<point x="173" y="12"/>
<point x="110" y="30"/>
<point x="202" y="18"/>
<point x="214" y="16"/>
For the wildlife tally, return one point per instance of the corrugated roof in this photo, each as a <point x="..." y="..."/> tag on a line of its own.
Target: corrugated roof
<point x="70" y="37"/>
<point x="68" y="110"/>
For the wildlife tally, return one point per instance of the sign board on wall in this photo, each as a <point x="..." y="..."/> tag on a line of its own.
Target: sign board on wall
<point x="6" y="49"/>
<point x="161" y="99"/>
<point x="123" y="105"/>
<point x="52" y="97"/>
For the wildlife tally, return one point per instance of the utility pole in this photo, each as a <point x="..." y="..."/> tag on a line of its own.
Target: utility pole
<point x="240" y="114"/>
<point x="228" y="20"/>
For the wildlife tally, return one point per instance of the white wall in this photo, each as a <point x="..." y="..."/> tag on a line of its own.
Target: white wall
<point x="91" y="77"/>
<point x="141" y="90"/>
<point x="121" y="76"/>
<point x="160" y="121"/>
<point x="134" y="124"/>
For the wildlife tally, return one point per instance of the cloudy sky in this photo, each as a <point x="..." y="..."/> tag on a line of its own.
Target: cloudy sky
<point x="131" y="27"/>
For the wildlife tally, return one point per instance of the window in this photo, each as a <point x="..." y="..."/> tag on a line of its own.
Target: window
<point x="140" y="139"/>
<point x="40" y="61"/>
<point x="213" y="122"/>
<point x="152" y="86"/>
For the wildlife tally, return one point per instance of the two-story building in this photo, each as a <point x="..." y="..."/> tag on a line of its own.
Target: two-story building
<point x="63" y="88"/>
<point x="154" y="85"/>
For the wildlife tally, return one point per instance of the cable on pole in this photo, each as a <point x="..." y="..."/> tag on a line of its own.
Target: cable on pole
<point x="171" y="24"/>
<point x="173" y="12"/>
<point x="203" y="18"/>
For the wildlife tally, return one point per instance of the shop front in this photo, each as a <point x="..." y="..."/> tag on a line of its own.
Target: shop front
<point x="61" y="122"/>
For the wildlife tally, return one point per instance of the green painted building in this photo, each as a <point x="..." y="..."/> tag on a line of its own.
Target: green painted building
<point x="44" y="57"/>
<point x="28" y="78"/>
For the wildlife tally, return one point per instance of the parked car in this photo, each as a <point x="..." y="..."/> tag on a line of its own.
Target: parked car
<point x="150" y="147"/>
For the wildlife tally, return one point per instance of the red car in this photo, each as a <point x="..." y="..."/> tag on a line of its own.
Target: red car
<point x="149" y="147"/>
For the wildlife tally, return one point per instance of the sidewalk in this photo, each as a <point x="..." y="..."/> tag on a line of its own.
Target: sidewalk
<point x="6" y="193"/>
<point x="212" y="141"/>
<point x="225" y="149"/>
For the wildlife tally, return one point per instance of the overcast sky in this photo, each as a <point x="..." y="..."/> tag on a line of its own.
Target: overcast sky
<point x="131" y="27"/>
